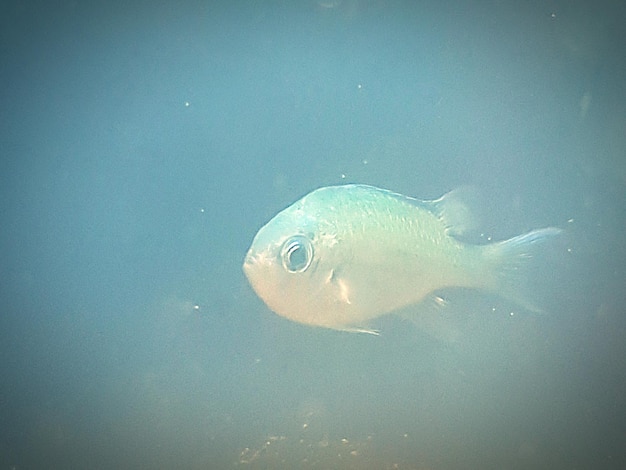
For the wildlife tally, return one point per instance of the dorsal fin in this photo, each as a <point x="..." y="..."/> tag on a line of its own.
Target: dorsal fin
<point x="453" y="208"/>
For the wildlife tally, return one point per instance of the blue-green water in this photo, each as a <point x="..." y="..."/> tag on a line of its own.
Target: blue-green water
<point x="143" y="145"/>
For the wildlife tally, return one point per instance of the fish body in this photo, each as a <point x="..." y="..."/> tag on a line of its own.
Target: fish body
<point x="344" y="255"/>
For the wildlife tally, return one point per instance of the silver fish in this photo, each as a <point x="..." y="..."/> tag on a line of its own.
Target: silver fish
<point x="344" y="255"/>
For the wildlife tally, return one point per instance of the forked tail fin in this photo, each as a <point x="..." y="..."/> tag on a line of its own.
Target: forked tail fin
<point x="508" y="263"/>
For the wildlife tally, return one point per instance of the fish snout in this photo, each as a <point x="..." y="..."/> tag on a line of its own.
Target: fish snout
<point x="254" y="262"/>
<point x="249" y="262"/>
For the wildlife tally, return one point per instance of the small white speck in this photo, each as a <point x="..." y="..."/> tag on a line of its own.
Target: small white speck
<point x="343" y="176"/>
<point x="186" y="104"/>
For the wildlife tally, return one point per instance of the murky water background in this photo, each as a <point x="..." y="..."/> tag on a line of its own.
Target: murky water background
<point x="144" y="144"/>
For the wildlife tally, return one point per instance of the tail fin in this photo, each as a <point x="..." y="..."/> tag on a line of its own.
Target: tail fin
<point x="509" y="261"/>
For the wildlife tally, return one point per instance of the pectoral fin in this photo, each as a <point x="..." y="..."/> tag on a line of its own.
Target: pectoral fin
<point x="341" y="287"/>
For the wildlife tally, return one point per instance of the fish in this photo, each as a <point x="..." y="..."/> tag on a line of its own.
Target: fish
<point x="342" y="256"/>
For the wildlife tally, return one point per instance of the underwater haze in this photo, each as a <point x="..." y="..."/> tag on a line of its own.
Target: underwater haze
<point x="144" y="144"/>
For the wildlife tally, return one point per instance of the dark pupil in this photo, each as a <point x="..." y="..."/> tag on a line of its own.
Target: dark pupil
<point x="296" y="256"/>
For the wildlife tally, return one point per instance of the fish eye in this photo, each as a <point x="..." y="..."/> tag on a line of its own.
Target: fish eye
<point x="297" y="254"/>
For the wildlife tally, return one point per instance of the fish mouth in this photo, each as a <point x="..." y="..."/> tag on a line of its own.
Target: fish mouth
<point x="251" y="263"/>
<point x="257" y="262"/>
